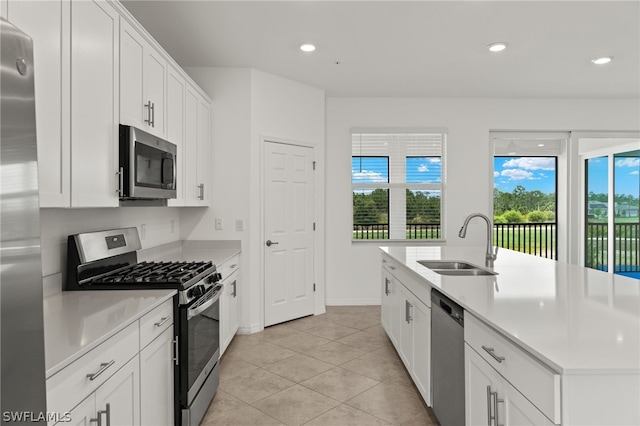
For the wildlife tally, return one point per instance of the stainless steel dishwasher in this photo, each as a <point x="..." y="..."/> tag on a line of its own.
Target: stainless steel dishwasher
<point x="447" y="359"/>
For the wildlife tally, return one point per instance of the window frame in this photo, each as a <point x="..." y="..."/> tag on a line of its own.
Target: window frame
<point x="395" y="186"/>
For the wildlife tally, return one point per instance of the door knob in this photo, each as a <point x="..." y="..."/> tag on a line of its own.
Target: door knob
<point x="270" y="243"/>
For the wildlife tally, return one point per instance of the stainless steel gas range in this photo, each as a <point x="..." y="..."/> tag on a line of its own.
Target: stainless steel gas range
<point x="107" y="260"/>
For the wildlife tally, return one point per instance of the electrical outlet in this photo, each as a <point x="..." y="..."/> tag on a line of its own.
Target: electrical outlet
<point x="218" y="224"/>
<point x="143" y="231"/>
<point x="239" y="225"/>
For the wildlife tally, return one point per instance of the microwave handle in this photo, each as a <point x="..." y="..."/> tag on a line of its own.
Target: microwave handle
<point x="173" y="170"/>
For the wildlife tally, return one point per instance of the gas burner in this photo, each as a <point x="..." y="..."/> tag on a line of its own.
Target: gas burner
<point x="164" y="273"/>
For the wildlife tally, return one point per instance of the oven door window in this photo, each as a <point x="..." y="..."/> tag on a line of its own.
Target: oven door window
<point x="154" y="167"/>
<point x="203" y="340"/>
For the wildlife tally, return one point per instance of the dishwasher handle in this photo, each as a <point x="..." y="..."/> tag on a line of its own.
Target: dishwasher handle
<point x="445" y="307"/>
<point x="452" y="309"/>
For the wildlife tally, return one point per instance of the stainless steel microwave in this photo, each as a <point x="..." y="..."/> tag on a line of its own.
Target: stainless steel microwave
<point x="147" y="165"/>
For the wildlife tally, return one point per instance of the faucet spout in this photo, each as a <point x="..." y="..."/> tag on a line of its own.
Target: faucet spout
<point x="492" y="253"/>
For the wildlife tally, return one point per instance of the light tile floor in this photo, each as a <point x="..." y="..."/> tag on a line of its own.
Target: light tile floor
<point x="335" y="369"/>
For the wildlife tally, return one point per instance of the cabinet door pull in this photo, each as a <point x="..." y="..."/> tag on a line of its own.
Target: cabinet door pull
<point x="496" y="401"/>
<point x="103" y="368"/>
<point x="148" y="107"/>
<point x="201" y="191"/>
<point x="386" y="286"/>
<point x="162" y="321"/>
<point x="175" y="349"/>
<point x="491" y="352"/>
<point x="235" y="289"/>
<point x="153" y="114"/>
<point x="489" y="416"/>
<point x="120" y="188"/>
<point x="407" y="314"/>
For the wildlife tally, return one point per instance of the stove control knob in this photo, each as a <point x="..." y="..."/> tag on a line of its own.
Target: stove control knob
<point x="214" y="278"/>
<point x="196" y="291"/>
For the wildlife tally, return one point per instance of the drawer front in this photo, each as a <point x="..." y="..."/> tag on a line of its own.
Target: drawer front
<point x="155" y="322"/>
<point x="530" y="377"/>
<point x="415" y="285"/>
<point x="229" y="267"/>
<point x="79" y="379"/>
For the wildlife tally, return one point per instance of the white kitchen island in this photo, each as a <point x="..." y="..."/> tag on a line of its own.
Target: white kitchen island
<point x="573" y="333"/>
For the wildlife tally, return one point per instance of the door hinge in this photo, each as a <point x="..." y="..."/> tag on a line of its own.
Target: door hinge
<point x="314" y="287"/>
<point x="314" y="165"/>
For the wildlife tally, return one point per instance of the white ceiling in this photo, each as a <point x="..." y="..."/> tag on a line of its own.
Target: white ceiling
<point x="413" y="48"/>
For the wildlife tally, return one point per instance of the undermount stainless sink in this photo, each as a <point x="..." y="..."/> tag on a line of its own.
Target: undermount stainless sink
<point x="455" y="267"/>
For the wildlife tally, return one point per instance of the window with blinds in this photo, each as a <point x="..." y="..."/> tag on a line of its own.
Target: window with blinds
<point x="397" y="182"/>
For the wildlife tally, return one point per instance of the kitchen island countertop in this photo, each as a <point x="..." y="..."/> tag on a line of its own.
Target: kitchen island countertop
<point x="576" y="320"/>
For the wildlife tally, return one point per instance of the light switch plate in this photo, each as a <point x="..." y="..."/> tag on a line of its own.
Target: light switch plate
<point x="239" y="225"/>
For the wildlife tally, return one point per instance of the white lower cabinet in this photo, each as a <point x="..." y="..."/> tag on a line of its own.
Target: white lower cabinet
<point x="118" y="382"/>
<point x="229" y="309"/>
<point x="118" y="399"/>
<point x="491" y="400"/>
<point x="503" y="384"/>
<point x="407" y="320"/>
<point x="83" y="413"/>
<point x="156" y="381"/>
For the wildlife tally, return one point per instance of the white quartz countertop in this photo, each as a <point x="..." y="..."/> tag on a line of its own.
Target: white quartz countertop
<point x="574" y="319"/>
<point x="217" y="252"/>
<point x="77" y="321"/>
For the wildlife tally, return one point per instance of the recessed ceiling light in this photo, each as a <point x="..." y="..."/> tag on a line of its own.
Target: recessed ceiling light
<point x="497" y="47"/>
<point x="603" y="60"/>
<point x="307" y="47"/>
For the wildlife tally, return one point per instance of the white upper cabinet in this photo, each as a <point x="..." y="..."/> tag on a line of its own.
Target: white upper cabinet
<point x="176" y="128"/>
<point x="95" y="68"/>
<point x="196" y="143"/>
<point x="94" y="103"/>
<point x="143" y="76"/>
<point x="43" y="22"/>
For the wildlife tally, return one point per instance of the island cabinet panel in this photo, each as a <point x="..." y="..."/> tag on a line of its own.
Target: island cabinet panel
<point x="407" y="320"/>
<point x="537" y="382"/>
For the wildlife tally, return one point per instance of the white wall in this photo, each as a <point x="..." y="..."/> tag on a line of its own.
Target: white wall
<point x="247" y="106"/>
<point x="352" y="270"/>
<point x="57" y="224"/>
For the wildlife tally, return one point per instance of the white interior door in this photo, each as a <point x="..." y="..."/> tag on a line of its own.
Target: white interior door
<point x="288" y="232"/>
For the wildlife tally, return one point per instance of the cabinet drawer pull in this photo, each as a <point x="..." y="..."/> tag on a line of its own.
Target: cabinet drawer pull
<point x="393" y="268"/>
<point x="491" y="351"/>
<point x="103" y="367"/>
<point x="233" y="266"/>
<point x="162" y="321"/>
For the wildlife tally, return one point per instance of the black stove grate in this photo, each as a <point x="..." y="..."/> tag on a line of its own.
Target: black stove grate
<point x="156" y="272"/>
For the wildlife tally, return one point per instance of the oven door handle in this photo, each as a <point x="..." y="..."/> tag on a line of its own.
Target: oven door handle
<point x="197" y="310"/>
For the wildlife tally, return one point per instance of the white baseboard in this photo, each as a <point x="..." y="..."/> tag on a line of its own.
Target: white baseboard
<point x="353" y="302"/>
<point x="254" y="328"/>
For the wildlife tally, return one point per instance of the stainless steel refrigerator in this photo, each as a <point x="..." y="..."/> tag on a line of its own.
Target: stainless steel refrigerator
<point x="23" y="392"/>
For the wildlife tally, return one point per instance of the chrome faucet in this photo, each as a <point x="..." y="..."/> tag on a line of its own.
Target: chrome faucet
<point x="492" y="253"/>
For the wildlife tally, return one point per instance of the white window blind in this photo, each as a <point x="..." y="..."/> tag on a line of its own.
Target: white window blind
<point x="397" y="182"/>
